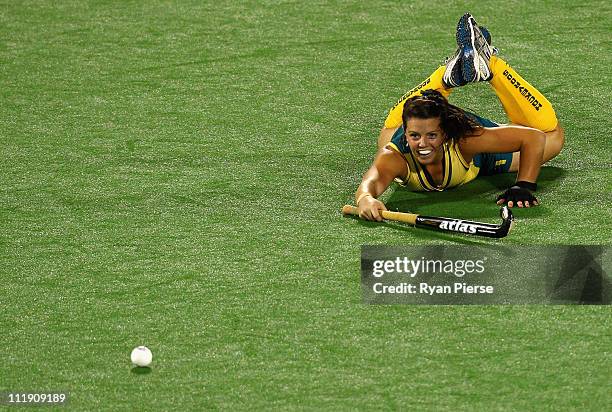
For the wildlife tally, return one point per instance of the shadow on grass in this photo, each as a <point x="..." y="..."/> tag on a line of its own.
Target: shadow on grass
<point x="475" y="200"/>
<point x="141" y="370"/>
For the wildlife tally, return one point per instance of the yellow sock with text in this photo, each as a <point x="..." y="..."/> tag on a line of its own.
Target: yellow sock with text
<point x="523" y="103"/>
<point x="394" y="118"/>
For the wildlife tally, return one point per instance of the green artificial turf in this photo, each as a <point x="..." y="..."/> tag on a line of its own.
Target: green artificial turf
<point x="172" y="174"/>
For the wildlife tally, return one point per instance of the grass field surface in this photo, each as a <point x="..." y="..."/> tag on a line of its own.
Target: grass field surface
<point x="172" y="174"/>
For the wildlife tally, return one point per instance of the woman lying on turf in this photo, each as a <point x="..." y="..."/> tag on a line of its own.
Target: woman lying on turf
<point x="428" y="144"/>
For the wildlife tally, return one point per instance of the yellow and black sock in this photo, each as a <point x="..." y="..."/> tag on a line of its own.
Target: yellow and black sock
<point x="433" y="82"/>
<point x="522" y="102"/>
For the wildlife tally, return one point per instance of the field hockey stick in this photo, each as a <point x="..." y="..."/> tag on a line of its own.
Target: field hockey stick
<point x="445" y="224"/>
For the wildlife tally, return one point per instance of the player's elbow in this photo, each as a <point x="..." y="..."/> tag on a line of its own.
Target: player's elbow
<point x="536" y="141"/>
<point x="541" y="138"/>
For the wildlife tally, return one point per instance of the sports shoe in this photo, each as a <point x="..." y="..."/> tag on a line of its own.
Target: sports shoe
<point x="476" y="47"/>
<point x="453" y="75"/>
<point x="487" y="36"/>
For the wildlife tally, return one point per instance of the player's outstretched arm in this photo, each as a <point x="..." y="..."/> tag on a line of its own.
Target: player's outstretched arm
<point x="529" y="142"/>
<point x="387" y="165"/>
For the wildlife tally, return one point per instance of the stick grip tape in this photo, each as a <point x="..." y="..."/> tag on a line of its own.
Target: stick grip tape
<point x="395" y="216"/>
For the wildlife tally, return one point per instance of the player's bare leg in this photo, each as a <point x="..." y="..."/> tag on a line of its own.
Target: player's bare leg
<point x="555" y="140"/>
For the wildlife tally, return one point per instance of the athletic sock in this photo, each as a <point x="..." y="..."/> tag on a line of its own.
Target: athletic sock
<point x="523" y="103"/>
<point x="433" y="82"/>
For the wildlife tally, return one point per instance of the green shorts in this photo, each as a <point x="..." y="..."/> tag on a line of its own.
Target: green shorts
<point x="491" y="163"/>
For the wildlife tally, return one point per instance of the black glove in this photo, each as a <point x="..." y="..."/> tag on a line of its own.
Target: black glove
<point x="520" y="192"/>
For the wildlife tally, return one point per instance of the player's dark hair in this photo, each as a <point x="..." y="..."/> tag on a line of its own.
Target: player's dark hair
<point x="454" y="122"/>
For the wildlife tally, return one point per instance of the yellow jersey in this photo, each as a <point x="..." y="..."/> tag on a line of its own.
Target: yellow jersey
<point x="456" y="171"/>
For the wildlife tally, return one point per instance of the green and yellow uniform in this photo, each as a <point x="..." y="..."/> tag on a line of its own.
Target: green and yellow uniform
<point x="523" y="103"/>
<point x="456" y="171"/>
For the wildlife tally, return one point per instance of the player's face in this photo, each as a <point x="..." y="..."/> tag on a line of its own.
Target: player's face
<point x="425" y="139"/>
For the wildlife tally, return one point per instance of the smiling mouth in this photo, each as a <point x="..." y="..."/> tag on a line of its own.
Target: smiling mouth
<point x="424" y="152"/>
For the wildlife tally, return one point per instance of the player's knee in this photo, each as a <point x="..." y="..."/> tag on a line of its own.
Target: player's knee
<point x="558" y="138"/>
<point x="555" y="140"/>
